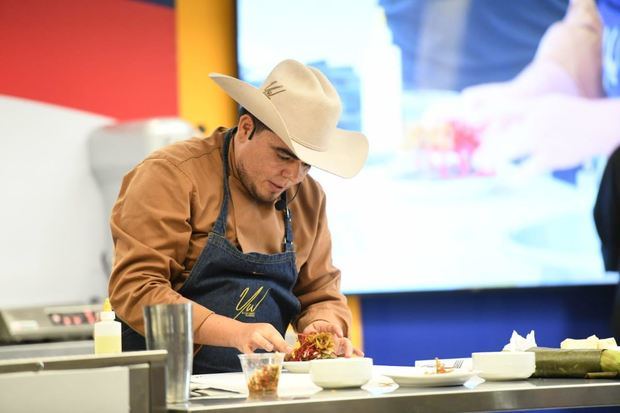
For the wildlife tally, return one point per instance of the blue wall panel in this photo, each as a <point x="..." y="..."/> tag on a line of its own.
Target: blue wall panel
<point x="400" y="328"/>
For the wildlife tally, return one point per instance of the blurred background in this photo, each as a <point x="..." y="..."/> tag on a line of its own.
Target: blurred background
<point x="440" y="257"/>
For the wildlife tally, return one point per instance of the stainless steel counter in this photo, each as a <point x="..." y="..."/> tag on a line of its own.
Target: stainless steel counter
<point x="50" y="349"/>
<point x="130" y="381"/>
<point x="489" y="396"/>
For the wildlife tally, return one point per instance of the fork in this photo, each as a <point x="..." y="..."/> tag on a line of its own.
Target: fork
<point x="457" y="363"/>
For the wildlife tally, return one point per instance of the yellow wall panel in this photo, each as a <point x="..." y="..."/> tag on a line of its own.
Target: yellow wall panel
<point x="206" y="42"/>
<point x="356" y="334"/>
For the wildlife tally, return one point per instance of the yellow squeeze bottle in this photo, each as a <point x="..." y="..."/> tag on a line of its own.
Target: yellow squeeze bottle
<point x="107" y="332"/>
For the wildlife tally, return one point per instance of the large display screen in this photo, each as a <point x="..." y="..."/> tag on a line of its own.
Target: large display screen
<point x="420" y="216"/>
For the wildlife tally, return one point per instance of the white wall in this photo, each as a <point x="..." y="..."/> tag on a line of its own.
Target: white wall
<point x="52" y="221"/>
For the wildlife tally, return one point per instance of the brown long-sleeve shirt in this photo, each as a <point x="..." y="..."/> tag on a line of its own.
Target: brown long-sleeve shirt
<point x="168" y="204"/>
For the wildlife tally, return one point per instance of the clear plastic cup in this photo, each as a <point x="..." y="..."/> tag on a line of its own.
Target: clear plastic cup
<point x="262" y="374"/>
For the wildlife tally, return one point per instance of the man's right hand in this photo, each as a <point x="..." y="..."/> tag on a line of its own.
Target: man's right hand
<point x="223" y="331"/>
<point x="253" y="336"/>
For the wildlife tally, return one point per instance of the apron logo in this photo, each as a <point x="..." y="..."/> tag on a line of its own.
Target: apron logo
<point x="248" y="307"/>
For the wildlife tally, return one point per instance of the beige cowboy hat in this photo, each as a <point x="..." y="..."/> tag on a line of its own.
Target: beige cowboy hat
<point x="301" y="106"/>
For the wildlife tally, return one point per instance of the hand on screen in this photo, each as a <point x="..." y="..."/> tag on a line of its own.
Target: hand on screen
<point x="547" y="133"/>
<point x="485" y="103"/>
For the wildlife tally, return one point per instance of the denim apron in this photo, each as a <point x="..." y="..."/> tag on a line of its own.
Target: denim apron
<point x="251" y="288"/>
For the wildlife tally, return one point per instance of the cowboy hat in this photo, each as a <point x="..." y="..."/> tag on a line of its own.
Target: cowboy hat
<point x="301" y="106"/>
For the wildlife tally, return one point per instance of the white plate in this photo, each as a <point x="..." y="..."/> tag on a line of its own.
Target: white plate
<point x="504" y="376"/>
<point x="340" y="382"/>
<point x="419" y="377"/>
<point x="297" y="366"/>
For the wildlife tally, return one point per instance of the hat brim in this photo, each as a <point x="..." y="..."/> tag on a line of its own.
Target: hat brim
<point x="347" y="151"/>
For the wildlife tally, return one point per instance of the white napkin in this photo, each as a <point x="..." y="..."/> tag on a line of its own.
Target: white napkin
<point x="230" y="382"/>
<point x="379" y="384"/>
<point x="518" y="343"/>
<point x="290" y="385"/>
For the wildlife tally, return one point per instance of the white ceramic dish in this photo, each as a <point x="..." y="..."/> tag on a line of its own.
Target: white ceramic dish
<point x="341" y="372"/>
<point x="297" y="366"/>
<point x="504" y="376"/>
<point x="420" y="377"/>
<point x="504" y="365"/>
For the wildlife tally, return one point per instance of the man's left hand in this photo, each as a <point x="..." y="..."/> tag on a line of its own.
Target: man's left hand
<point x="344" y="347"/>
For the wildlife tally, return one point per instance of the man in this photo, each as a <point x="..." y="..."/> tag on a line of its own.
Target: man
<point x="212" y="221"/>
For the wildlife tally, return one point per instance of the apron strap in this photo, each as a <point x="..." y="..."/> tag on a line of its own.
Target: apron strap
<point x="288" y="225"/>
<point x="220" y="224"/>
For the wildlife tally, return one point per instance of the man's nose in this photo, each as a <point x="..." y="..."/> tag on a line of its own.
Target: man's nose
<point x="294" y="172"/>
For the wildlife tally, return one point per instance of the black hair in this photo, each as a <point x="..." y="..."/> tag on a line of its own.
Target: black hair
<point x="258" y="125"/>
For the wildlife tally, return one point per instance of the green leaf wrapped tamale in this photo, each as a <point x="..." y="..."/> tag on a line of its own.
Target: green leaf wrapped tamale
<point x="555" y="362"/>
<point x="610" y="361"/>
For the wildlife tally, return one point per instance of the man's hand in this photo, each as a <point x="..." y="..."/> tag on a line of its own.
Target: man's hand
<point x="344" y="347"/>
<point x="223" y="331"/>
<point x="253" y="336"/>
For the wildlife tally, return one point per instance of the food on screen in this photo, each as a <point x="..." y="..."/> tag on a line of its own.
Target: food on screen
<point x="443" y="148"/>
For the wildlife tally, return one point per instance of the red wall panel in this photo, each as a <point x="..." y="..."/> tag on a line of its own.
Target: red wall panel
<point x="113" y="57"/>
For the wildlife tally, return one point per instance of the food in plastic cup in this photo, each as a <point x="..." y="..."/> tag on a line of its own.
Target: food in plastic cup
<point x="262" y="373"/>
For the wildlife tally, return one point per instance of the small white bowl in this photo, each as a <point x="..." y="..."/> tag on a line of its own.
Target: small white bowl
<point x="504" y="365"/>
<point x="341" y="372"/>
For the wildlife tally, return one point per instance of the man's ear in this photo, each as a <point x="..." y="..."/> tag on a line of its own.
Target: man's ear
<point x="245" y="127"/>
